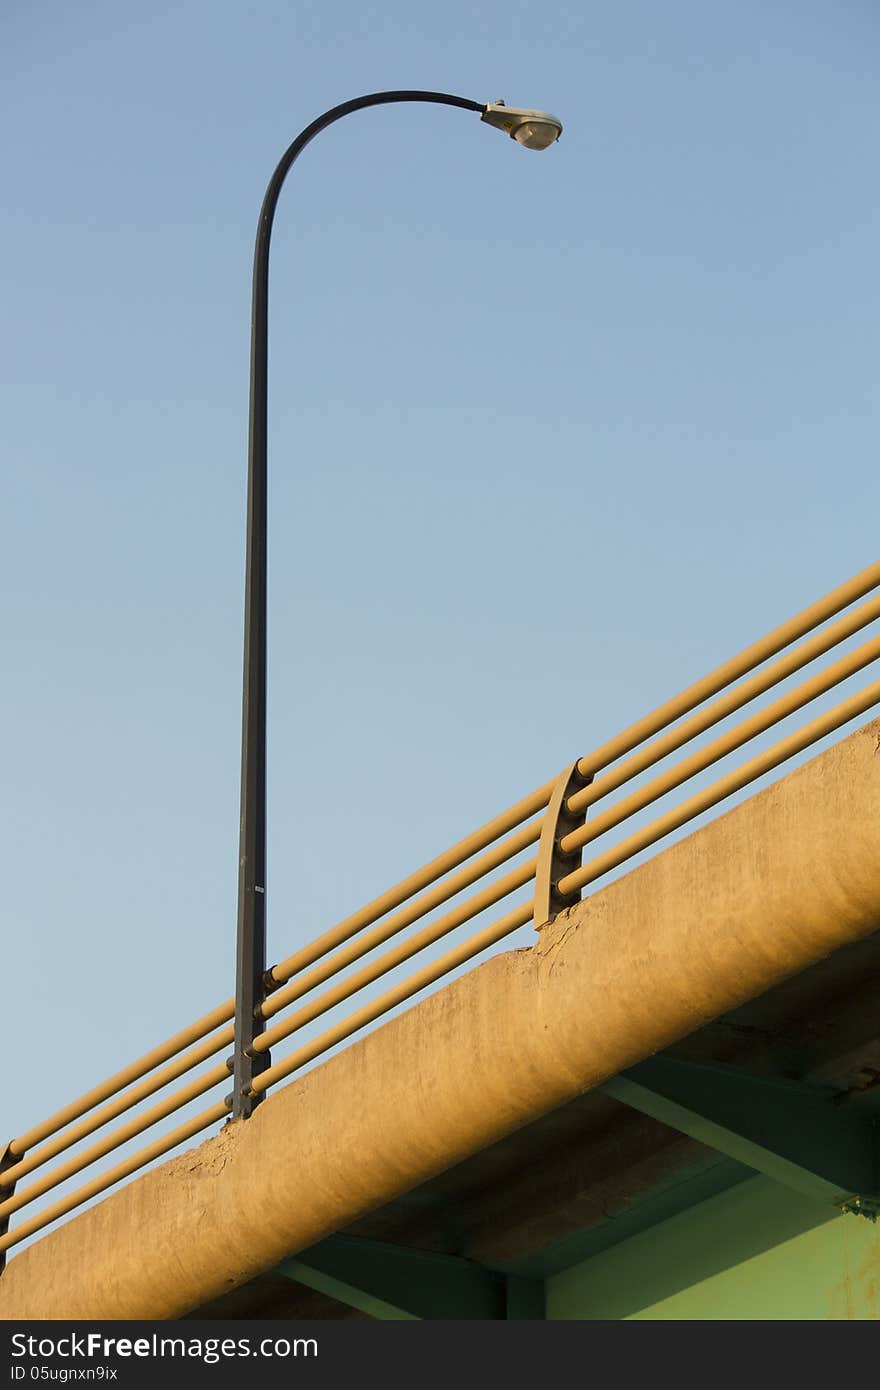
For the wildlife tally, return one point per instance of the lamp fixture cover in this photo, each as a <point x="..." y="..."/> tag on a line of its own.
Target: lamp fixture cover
<point x="536" y="130"/>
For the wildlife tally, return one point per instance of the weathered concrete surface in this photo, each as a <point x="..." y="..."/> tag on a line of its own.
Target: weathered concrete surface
<point x="775" y="885"/>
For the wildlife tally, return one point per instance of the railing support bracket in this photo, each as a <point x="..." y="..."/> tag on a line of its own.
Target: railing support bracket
<point x="7" y="1159"/>
<point x="552" y="863"/>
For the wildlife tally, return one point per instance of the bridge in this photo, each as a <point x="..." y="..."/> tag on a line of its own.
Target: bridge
<point x="664" y="1106"/>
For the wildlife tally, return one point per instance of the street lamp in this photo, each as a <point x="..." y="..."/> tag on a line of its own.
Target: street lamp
<point x="535" y="130"/>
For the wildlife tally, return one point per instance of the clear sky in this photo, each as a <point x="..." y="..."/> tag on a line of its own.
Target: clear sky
<point x="551" y="435"/>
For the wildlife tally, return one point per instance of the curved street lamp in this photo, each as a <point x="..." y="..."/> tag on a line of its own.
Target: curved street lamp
<point x="536" y="130"/>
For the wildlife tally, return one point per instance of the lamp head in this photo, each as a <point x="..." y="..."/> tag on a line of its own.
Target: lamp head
<point x="536" y="130"/>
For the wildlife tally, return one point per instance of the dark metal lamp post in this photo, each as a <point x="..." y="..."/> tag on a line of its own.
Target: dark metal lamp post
<point x="534" y="130"/>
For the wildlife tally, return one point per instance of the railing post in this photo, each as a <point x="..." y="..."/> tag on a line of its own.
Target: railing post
<point x="552" y="863"/>
<point x="7" y="1160"/>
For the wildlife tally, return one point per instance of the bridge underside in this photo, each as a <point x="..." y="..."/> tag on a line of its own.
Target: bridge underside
<point x="489" y="1238"/>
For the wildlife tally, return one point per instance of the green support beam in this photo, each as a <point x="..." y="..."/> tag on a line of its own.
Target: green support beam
<point x="801" y="1136"/>
<point x="395" y="1282"/>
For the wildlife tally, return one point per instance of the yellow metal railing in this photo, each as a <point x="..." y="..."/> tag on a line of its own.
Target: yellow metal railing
<point x="554" y="817"/>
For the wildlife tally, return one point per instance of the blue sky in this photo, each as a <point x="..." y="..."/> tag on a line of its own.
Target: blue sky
<point x="550" y="437"/>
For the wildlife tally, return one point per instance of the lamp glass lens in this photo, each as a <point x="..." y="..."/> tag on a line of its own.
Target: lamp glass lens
<point x="536" y="135"/>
